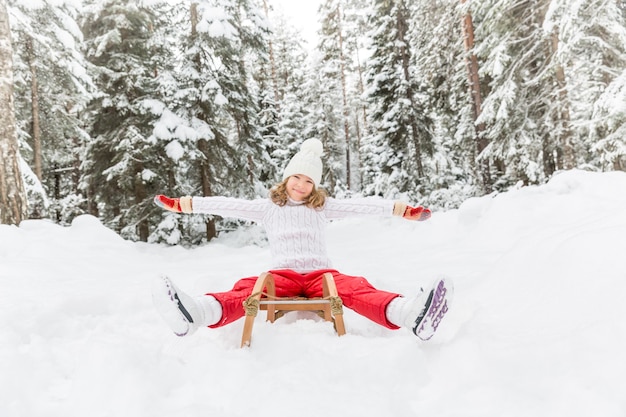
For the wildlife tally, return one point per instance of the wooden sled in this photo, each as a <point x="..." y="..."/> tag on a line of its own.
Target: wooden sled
<point x="329" y="306"/>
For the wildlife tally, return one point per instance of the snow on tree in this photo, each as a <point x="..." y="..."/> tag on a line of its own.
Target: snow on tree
<point x="547" y="63"/>
<point x="592" y="50"/>
<point x="121" y="159"/>
<point x="608" y="131"/>
<point x="290" y="104"/>
<point x="214" y="97"/>
<point x="52" y="87"/>
<point x="439" y="63"/>
<point x="515" y="60"/>
<point x="211" y="115"/>
<point x="13" y="205"/>
<point x="395" y="150"/>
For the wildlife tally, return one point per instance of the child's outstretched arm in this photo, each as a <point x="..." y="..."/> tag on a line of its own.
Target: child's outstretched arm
<point x="177" y="205"/>
<point x="418" y="213"/>
<point x="237" y="208"/>
<point x="341" y="208"/>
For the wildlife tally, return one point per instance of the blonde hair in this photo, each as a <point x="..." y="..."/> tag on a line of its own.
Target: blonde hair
<point x="279" y="196"/>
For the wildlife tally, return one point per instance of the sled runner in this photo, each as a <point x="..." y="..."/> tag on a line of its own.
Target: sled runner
<point x="329" y="307"/>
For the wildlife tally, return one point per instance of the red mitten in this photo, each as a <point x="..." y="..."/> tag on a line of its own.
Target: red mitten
<point x="418" y="213"/>
<point x="171" y="204"/>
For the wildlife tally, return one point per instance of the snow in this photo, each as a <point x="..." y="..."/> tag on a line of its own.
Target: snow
<point x="536" y="327"/>
<point x="174" y="150"/>
<point x="148" y="175"/>
<point x="220" y="99"/>
<point x="215" y="23"/>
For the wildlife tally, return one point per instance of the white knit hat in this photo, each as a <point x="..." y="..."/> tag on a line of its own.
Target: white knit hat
<point x="307" y="162"/>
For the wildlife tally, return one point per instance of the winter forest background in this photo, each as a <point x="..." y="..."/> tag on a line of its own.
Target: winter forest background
<point x="430" y="101"/>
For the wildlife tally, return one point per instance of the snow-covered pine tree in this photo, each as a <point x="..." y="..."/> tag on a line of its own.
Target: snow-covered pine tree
<point x="322" y="120"/>
<point x="290" y="72"/>
<point x="547" y="63"/>
<point x="608" y="127"/>
<point x="52" y="87"/>
<point x="522" y="106"/>
<point x="590" y="46"/>
<point x="355" y="15"/>
<point x="290" y="55"/>
<point x="210" y="125"/>
<point x="268" y="97"/>
<point x="439" y="65"/>
<point x="394" y="151"/>
<point x="328" y="120"/>
<point x="121" y="158"/>
<point x="291" y="128"/>
<point x="246" y="50"/>
<point x="13" y="204"/>
<point x="174" y="138"/>
<point x="268" y="120"/>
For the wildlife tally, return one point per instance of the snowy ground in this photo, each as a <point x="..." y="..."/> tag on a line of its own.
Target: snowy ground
<point x="537" y="327"/>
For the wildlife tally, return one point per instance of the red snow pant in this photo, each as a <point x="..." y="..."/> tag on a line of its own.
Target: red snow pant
<point x="356" y="293"/>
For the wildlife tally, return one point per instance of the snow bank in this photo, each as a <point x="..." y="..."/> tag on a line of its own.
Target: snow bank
<point x="536" y="328"/>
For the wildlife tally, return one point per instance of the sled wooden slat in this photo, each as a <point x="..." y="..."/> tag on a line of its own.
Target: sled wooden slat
<point x="329" y="306"/>
<point x="296" y="301"/>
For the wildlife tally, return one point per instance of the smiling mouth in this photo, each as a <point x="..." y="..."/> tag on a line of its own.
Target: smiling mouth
<point x="298" y="193"/>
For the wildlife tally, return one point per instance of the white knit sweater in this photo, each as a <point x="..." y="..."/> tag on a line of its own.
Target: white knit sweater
<point x="296" y="233"/>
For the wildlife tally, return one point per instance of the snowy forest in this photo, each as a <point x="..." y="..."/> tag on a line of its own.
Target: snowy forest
<point x="430" y="101"/>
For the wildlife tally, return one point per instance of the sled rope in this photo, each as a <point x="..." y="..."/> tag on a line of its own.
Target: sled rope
<point x="251" y="305"/>
<point x="336" y="305"/>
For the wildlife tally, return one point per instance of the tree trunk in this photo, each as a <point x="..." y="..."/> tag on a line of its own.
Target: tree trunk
<point x="205" y="173"/>
<point x="357" y="131"/>
<point x="565" y="134"/>
<point x="361" y="90"/>
<point x="357" y="125"/>
<point x="272" y="63"/>
<point x="346" y="125"/>
<point x="474" y="86"/>
<point x="76" y="160"/>
<point x="13" y="203"/>
<point x="34" y="95"/>
<point x="194" y="33"/>
<point x="143" y="227"/>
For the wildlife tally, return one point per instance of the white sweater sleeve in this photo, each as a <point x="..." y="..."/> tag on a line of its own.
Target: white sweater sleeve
<point x="252" y="210"/>
<point x="368" y="206"/>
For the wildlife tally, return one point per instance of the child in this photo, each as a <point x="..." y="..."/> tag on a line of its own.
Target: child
<point x="294" y="217"/>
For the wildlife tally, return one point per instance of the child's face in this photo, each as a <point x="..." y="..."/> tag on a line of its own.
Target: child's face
<point x="299" y="187"/>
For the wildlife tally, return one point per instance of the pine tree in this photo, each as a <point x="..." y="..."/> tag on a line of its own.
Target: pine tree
<point x="250" y="51"/>
<point x="474" y="88"/>
<point x="285" y="112"/>
<point x="53" y="86"/>
<point x="355" y="23"/>
<point x="438" y="59"/>
<point x="328" y="119"/>
<point x="13" y="205"/>
<point x="522" y="107"/>
<point x="547" y="63"/>
<point x="396" y="148"/>
<point x="120" y="162"/>
<point x="608" y="128"/>
<point x="294" y="98"/>
<point x="211" y="120"/>
<point x="323" y="121"/>
<point x="590" y="46"/>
